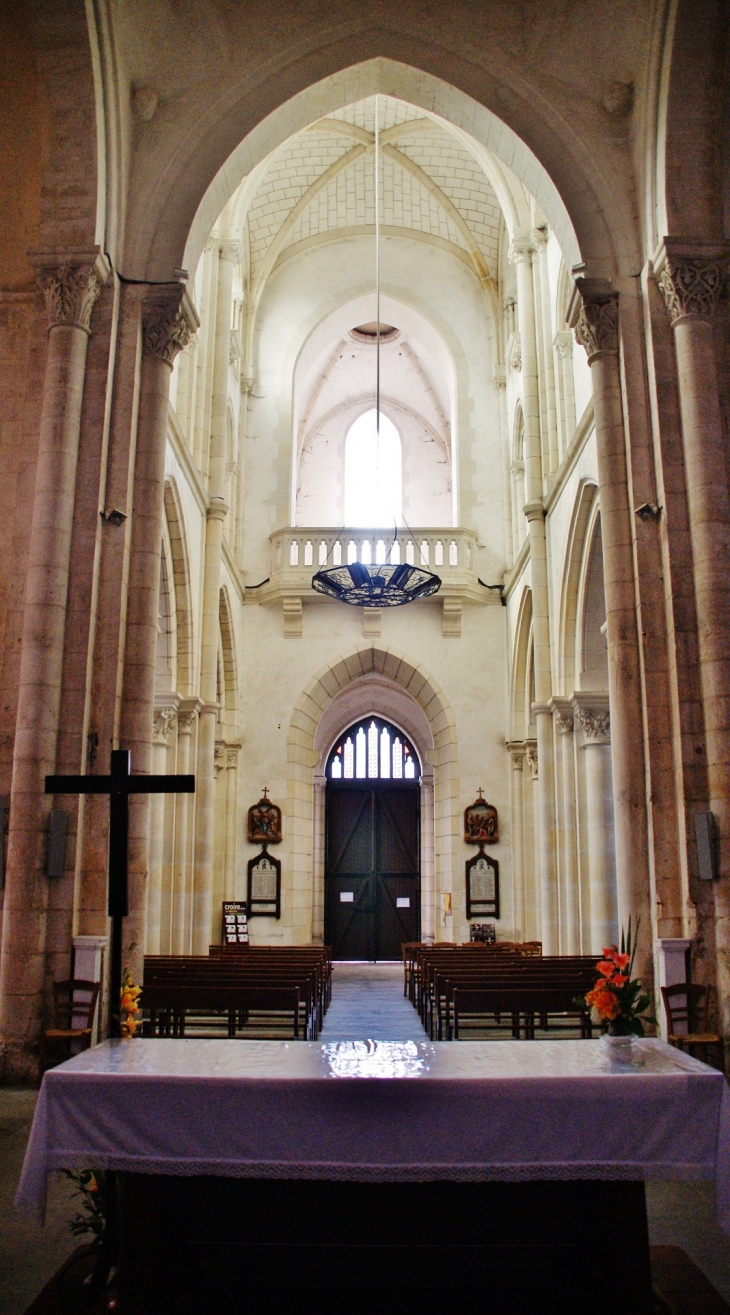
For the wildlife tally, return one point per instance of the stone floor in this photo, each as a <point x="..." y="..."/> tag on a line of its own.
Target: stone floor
<point x="367" y="1002"/>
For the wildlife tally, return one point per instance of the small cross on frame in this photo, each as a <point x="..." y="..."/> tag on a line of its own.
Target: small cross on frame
<point x="119" y="785"/>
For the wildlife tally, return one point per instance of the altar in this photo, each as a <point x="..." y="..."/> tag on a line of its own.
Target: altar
<point x="438" y="1170"/>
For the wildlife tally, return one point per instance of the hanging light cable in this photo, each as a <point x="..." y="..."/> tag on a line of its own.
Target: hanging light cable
<point x="380" y="585"/>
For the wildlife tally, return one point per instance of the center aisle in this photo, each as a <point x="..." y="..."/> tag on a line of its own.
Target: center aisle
<point x="368" y="1005"/>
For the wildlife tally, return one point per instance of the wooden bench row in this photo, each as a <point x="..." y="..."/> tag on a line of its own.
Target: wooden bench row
<point x="279" y="990"/>
<point x="457" y="992"/>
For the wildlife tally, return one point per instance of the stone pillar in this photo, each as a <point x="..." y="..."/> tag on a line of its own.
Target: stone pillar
<point x="428" y="846"/>
<point x="539" y="239"/>
<point x="564" y="348"/>
<point x="691" y="278"/>
<point x="594" y="314"/>
<point x="168" y="318"/>
<point x="231" y="821"/>
<point x="216" y="514"/>
<point x="520" y="255"/>
<point x="592" y="719"/>
<point x="531" y="929"/>
<point x="181" y="911"/>
<point x="517" y="763"/>
<point x="89" y="966"/>
<point x="70" y="292"/>
<point x="569" y="898"/>
<point x="162" y="723"/>
<point x="318" y="829"/>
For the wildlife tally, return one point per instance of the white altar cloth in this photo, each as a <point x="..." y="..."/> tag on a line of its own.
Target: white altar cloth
<point x="382" y="1111"/>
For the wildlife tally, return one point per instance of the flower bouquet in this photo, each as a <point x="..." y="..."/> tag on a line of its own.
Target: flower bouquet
<point x="618" y="998"/>
<point x="129" y="1005"/>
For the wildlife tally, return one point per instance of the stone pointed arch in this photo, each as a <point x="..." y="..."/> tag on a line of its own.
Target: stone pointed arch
<point x="228" y="653"/>
<point x="175" y="522"/>
<point x="303" y="755"/>
<point x="584" y="512"/>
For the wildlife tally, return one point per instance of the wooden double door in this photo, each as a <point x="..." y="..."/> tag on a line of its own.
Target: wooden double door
<point x="372" y="869"/>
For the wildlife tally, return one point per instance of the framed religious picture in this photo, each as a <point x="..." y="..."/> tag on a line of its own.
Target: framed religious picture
<point x="264" y="822"/>
<point x="482" y="886"/>
<point x="264" y="886"/>
<point x="235" y="922"/>
<point x="480" y="822"/>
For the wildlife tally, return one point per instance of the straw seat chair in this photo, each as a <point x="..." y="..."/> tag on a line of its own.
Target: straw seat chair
<point x="74" y="1003"/>
<point x="687" y="1009"/>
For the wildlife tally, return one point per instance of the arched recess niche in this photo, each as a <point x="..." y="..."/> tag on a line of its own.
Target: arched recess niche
<point x="370" y="681"/>
<point x="419" y="399"/>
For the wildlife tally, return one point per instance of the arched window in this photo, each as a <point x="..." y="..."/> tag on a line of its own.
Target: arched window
<point x="373" y="750"/>
<point x="373" y="473"/>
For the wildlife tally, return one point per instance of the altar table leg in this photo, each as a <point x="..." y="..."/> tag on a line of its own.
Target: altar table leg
<point x="231" y="1246"/>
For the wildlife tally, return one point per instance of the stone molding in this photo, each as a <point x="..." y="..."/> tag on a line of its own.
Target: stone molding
<point x="70" y="292"/>
<point x="169" y="321"/>
<point x="217" y="510"/>
<point x="162" y="723"/>
<point x="514" y="351"/>
<point x="593" y="316"/>
<point x="690" y="277"/>
<point x="520" y="249"/>
<point x="516" y="751"/>
<point x="534" y="511"/>
<point x="531" y="758"/>
<point x="232" y="751"/>
<point x="219" y="756"/>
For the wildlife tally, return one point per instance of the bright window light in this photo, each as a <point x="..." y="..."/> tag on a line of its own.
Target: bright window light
<point x="373" y="477"/>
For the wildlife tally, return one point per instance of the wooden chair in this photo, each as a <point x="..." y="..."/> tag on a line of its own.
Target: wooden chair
<point x="74" y="1003"/>
<point x="687" y="1009"/>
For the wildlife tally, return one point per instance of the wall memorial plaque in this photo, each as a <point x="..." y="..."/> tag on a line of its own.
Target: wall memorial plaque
<point x="481" y="826"/>
<point x="264" y="886"/>
<point x="235" y="922"/>
<point x="482" y="886"/>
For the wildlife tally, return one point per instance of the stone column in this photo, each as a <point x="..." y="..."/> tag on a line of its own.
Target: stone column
<point x="318" y="829"/>
<point x="517" y="763"/>
<point x="564" y="348"/>
<point x="592" y="718"/>
<point x="168" y="318"/>
<point x="216" y="514"/>
<point x="181" y="913"/>
<point x="520" y="255"/>
<point x="162" y="724"/>
<point x="70" y="292"/>
<point x="428" y="846"/>
<point x="691" y="278"/>
<point x="231" y="820"/>
<point x="539" y="239"/>
<point x="594" y="314"/>
<point x="531" y="928"/>
<point x="569" y="901"/>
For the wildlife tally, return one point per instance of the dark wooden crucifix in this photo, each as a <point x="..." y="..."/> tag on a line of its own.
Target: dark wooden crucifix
<point x="119" y="785"/>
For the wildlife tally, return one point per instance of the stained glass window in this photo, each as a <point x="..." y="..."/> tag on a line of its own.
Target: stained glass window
<point x="373" y="749"/>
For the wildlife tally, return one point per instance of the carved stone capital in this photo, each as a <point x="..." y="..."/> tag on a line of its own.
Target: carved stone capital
<point x="516" y="751"/>
<point x="499" y="381"/>
<point x="563" y="715"/>
<point x="531" y="758"/>
<point x="595" y="723"/>
<point x="219" y="757"/>
<point x="70" y="292"/>
<point x="234" y="347"/>
<point x="514" y="351"/>
<point x="534" y="511"/>
<point x="162" y="724"/>
<point x="593" y="315"/>
<point x="521" y="249"/>
<point x="230" y="251"/>
<point x="563" y="342"/>
<point x="690" y="278"/>
<point x="232" y="756"/>
<point x="169" y="320"/>
<point x="185" y="722"/>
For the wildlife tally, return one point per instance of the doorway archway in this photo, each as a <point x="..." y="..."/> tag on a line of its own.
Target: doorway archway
<point x="372" y="842"/>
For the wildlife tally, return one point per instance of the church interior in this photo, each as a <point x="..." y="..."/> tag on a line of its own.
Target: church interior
<point x="365" y="409"/>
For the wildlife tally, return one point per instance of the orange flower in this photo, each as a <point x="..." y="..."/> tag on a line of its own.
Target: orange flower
<point x="605" y="969"/>
<point x="621" y="960"/>
<point x="609" y="951"/>
<point x="619" y="980"/>
<point x="603" y="1001"/>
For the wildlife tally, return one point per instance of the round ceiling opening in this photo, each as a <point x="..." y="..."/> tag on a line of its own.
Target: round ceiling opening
<point x="369" y="332"/>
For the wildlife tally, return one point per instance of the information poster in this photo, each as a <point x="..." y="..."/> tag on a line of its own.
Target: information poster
<point x="235" y="923"/>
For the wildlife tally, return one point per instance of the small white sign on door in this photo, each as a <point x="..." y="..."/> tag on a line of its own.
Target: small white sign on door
<point x="403" y="902"/>
<point x="346" y="897"/>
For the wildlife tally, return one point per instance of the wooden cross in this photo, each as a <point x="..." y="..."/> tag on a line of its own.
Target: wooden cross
<point x="119" y="785"/>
